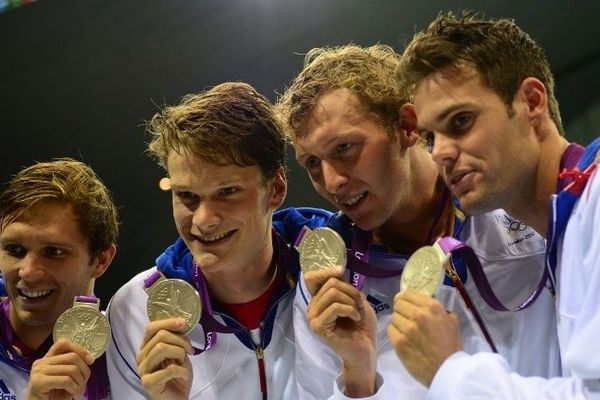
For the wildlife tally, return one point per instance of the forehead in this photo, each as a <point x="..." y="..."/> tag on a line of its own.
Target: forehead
<point x="340" y="104"/>
<point x="47" y="221"/>
<point x="443" y="92"/>
<point x="334" y="113"/>
<point x="187" y="170"/>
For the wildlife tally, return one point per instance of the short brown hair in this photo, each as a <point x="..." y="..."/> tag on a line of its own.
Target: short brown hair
<point x="229" y="123"/>
<point x="69" y="181"/>
<point x="369" y="72"/>
<point x="501" y="52"/>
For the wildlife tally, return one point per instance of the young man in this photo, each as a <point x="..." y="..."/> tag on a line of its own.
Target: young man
<point x="58" y="228"/>
<point x="483" y="91"/>
<point x="363" y="155"/>
<point x="224" y="154"/>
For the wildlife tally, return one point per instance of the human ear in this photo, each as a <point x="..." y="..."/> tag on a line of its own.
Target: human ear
<point x="278" y="189"/>
<point x="408" y="125"/>
<point x="533" y="92"/>
<point x="102" y="260"/>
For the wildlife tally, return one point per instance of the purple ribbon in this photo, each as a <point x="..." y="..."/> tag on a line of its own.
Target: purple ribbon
<point x="97" y="384"/>
<point x="449" y="244"/>
<point x="362" y="263"/>
<point x="209" y="324"/>
<point x="458" y="248"/>
<point x="86" y="299"/>
<point x="7" y="338"/>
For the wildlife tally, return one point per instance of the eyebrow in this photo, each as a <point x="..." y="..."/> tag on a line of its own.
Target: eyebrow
<point x="16" y="240"/>
<point x="336" y="136"/>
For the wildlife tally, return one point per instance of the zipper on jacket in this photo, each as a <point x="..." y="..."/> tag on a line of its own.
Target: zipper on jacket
<point x="260" y="357"/>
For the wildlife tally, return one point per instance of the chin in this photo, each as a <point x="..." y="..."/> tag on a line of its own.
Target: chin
<point x="367" y="222"/>
<point x="208" y="262"/>
<point x="37" y="321"/>
<point x="473" y="205"/>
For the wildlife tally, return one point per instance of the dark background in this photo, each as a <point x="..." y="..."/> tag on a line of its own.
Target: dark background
<point x="79" y="77"/>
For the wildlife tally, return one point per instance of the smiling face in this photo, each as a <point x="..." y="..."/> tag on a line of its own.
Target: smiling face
<point x="353" y="161"/>
<point x="487" y="157"/>
<point x="223" y="212"/>
<point x="46" y="262"/>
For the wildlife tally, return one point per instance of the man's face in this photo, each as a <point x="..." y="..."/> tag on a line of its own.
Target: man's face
<point x="46" y="262"/>
<point x="353" y="161"/>
<point x="223" y="212"/>
<point x="486" y="157"/>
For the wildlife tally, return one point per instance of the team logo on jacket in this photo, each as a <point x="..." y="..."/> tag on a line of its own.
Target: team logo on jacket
<point x="5" y="393"/>
<point x="514" y="228"/>
<point x="511" y="225"/>
<point x="377" y="304"/>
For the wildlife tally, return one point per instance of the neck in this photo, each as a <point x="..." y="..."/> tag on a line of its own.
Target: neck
<point x="246" y="283"/>
<point x="532" y="206"/>
<point x="31" y="336"/>
<point x="415" y="224"/>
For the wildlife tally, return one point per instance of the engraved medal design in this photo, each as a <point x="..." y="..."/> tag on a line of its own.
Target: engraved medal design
<point x="84" y="325"/>
<point x="321" y="249"/>
<point x="424" y="270"/>
<point x="174" y="298"/>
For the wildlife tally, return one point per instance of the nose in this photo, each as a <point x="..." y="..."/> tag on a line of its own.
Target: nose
<point x="206" y="216"/>
<point x="334" y="178"/>
<point x="444" y="151"/>
<point x="31" y="268"/>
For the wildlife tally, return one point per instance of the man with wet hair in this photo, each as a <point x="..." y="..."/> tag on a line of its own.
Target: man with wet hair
<point x="484" y="97"/>
<point x="345" y="117"/>
<point x="58" y="229"/>
<point x="224" y="153"/>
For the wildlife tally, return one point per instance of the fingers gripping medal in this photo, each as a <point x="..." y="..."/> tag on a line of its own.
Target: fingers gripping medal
<point x="172" y="298"/>
<point x="424" y="270"/>
<point x="84" y="325"/>
<point x="320" y="249"/>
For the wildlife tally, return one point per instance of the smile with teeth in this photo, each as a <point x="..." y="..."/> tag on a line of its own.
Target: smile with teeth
<point x="34" y="294"/>
<point x="214" y="238"/>
<point x="355" y="199"/>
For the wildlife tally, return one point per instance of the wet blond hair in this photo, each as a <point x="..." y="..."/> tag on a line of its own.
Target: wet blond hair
<point x="230" y="123"/>
<point x="369" y="72"/>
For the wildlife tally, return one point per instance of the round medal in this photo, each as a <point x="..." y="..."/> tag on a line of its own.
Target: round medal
<point x="322" y="249"/>
<point x="424" y="271"/>
<point x="85" y="326"/>
<point x="174" y="298"/>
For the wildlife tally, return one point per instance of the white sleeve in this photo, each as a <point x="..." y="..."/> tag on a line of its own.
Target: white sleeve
<point x="318" y="367"/>
<point x="127" y="330"/>
<point x="339" y="389"/>
<point x="579" y="295"/>
<point x="487" y="375"/>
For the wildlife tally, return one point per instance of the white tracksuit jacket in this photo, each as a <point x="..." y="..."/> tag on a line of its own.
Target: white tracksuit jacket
<point x="513" y="261"/>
